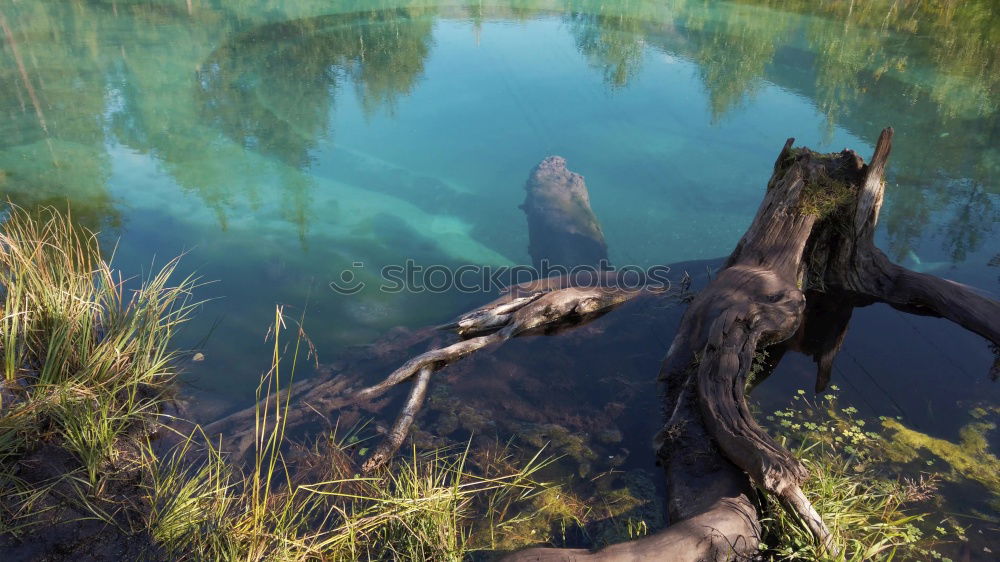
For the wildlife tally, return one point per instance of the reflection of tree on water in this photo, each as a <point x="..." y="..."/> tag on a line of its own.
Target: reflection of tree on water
<point x="971" y="222"/>
<point x="732" y="59"/>
<point x="611" y="42"/>
<point x="867" y="64"/>
<point x="47" y="156"/>
<point x="87" y="92"/>
<point x="271" y="89"/>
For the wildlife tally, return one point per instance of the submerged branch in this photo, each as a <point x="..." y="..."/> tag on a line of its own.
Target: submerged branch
<point x="394" y="440"/>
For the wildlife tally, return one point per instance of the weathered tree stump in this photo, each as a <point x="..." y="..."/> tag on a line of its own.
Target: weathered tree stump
<point x="807" y="259"/>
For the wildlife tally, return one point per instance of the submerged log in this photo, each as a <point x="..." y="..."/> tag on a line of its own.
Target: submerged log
<point x="544" y="306"/>
<point x="562" y="228"/>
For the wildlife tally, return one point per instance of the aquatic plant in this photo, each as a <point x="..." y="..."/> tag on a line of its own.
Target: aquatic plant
<point x="564" y="441"/>
<point x="873" y="513"/>
<point x="866" y="514"/>
<point x="970" y="458"/>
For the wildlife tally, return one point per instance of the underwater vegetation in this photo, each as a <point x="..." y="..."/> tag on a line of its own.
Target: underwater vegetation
<point x="880" y="483"/>
<point x="969" y="458"/>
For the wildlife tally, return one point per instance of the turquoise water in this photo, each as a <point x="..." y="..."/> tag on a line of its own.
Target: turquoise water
<point x="277" y="144"/>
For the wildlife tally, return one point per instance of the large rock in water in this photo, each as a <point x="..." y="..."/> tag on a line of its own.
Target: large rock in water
<point x="562" y="228"/>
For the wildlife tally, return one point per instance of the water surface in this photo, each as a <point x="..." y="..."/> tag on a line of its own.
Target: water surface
<point x="280" y="143"/>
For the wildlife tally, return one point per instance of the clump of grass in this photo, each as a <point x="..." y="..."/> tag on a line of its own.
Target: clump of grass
<point x="69" y="316"/>
<point x="190" y="502"/>
<point x="418" y="509"/>
<point x="866" y="514"/>
<point x="86" y="353"/>
<point x="825" y="197"/>
<point x="90" y="429"/>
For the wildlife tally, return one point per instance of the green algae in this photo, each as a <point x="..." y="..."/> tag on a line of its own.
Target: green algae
<point x="453" y="414"/>
<point x="624" y="506"/>
<point x="609" y="435"/>
<point x="969" y="458"/>
<point x="632" y="509"/>
<point x="563" y="442"/>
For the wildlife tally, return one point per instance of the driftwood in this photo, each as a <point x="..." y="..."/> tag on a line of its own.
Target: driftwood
<point x="394" y="439"/>
<point x="492" y="324"/>
<point x="543" y="306"/>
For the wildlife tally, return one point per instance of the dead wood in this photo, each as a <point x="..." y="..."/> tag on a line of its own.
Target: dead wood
<point x="542" y="306"/>
<point x="562" y="228"/>
<point x="496" y="323"/>
<point x="394" y="440"/>
<point x="811" y="240"/>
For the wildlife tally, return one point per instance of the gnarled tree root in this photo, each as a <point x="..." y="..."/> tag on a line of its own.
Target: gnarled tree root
<point x="813" y="234"/>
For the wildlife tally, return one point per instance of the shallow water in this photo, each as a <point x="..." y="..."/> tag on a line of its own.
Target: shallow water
<point x="280" y="143"/>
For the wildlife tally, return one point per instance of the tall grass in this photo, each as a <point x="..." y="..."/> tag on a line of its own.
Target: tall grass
<point x="867" y="515"/>
<point x="87" y="362"/>
<point x="69" y="317"/>
<point x="86" y="353"/>
<point x="418" y="509"/>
